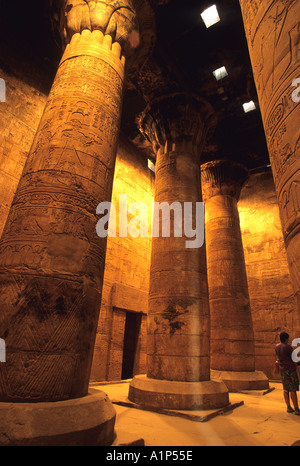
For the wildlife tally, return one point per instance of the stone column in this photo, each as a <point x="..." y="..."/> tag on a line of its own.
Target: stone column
<point x="51" y="259"/>
<point x="273" y="34"/>
<point x="178" y="354"/>
<point x="232" y="338"/>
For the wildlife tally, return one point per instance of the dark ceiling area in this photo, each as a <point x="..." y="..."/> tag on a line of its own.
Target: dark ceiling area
<point x="185" y="55"/>
<point x="29" y="47"/>
<point x="183" y="59"/>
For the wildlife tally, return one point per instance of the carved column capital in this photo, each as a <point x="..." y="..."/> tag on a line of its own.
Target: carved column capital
<point x="115" y="18"/>
<point x="223" y="177"/>
<point x="177" y="122"/>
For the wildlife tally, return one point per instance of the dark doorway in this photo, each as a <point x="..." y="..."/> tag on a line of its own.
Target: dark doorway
<point x="131" y="335"/>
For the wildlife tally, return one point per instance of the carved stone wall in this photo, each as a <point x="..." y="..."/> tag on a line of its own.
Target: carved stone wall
<point x="127" y="268"/>
<point x="273" y="306"/>
<point x="19" y="119"/>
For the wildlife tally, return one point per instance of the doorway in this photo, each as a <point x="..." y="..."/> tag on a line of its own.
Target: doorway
<point x="131" y="336"/>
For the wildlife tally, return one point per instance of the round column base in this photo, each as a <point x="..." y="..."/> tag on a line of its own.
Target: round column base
<point x="167" y="394"/>
<point x="86" y="421"/>
<point x="237" y="381"/>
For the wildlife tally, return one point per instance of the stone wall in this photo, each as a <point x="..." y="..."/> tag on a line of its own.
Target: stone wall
<point x="271" y="295"/>
<point x="126" y="277"/>
<point x="19" y="118"/>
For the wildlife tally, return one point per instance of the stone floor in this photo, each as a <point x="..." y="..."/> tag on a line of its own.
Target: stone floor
<point x="261" y="420"/>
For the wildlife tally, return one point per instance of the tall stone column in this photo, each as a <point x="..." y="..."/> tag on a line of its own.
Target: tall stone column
<point x="51" y="259"/>
<point x="273" y="34"/>
<point x="178" y="351"/>
<point x="232" y="338"/>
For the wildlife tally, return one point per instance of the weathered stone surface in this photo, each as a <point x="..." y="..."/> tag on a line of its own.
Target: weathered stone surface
<point x="232" y="337"/>
<point x="177" y="395"/>
<point x="272" y="30"/>
<point x="115" y="19"/>
<point x="273" y="306"/>
<point x="178" y="298"/>
<point x="87" y="421"/>
<point x="20" y="115"/>
<point x="127" y="266"/>
<point x="232" y="344"/>
<point x="51" y="259"/>
<point x="237" y="381"/>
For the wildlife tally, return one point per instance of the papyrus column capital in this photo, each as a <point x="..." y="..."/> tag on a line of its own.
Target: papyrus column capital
<point x="177" y="122"/>
<point x="223" y="177"/>
<point x="115" y="18"/>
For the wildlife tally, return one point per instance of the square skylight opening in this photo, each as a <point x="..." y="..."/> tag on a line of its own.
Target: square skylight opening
<point x="249" y="106"/>
<point x="220" y="73"/>
<point x="210" y="16"/>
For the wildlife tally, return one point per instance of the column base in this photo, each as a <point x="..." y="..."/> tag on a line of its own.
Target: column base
<point x="178" y="395"/>
<point x="86" y="421"/>
<point x="237" y="381"/>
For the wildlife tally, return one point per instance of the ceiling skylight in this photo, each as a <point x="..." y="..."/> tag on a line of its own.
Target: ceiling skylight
<point x="249" y="106"/>
<point x="210" y="16"/>
<point x="220" y="73"/>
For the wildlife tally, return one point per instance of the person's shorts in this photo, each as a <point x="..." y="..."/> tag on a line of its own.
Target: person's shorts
<point x="290" y="381"/>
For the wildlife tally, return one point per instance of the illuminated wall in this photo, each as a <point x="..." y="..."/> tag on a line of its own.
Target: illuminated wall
<point x="271" y="295"/>
<point x="19" y="119"/>
<point x="126" y="277"/>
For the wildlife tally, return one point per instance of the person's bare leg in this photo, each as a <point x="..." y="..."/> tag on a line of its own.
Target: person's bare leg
<point x="287" y="398"/>
<point x="294" y="399"/>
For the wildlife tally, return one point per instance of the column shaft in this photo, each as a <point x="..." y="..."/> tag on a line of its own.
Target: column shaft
<point x="178" y="330"/>
<point x="273" y="34"/>
<point x="178" y="350"/>
<point x="232" y="345"/>
<point x="51" y="259"/>
<point x="232" y="337"/>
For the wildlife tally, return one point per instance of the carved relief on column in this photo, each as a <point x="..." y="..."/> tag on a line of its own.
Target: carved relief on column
<point x="131" y="24"/>
<point x="232" y="338"/>
<point x="273" y="34"/>
<point x="51" y="259"/>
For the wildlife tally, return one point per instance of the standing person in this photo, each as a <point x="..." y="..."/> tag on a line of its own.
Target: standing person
<point x="288" y="372"/>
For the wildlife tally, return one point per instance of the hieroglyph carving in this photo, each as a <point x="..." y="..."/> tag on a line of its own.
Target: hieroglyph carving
<point x="273" y="34"/>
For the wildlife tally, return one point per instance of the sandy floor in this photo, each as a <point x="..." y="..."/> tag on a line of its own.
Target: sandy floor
<point x="261" y="421"/>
